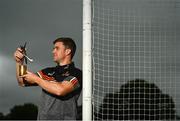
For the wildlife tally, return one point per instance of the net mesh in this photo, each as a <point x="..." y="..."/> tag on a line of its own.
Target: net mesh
<point x="136" y="60"/>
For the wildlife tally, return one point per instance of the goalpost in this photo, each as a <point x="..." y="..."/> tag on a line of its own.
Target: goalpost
<point x="131" y="60"/>
<point x="87" y="63"/>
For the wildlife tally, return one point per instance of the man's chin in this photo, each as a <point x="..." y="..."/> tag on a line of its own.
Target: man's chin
<point x="56" y="61"/>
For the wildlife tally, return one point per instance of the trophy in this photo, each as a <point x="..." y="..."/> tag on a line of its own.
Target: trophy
<point x="23" y="67"/>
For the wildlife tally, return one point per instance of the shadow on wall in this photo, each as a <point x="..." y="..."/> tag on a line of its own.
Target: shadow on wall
<point x="137" y="100"/>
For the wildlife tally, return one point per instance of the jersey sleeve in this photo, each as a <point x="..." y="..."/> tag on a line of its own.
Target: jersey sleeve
<point x="73" y="81"/>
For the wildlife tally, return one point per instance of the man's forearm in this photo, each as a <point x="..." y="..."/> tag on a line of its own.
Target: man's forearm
<point x="49" y="86"/>
<point x="53" y="87"/>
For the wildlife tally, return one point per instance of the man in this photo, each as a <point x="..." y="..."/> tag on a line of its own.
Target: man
<point x="61" y="85"/>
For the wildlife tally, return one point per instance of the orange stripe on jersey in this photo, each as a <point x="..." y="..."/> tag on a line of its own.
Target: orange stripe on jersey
<point x="74" y="81"/>
<point x="45" y="77"/>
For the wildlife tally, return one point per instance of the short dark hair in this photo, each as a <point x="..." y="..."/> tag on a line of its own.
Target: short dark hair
<point x="68" y="43"/>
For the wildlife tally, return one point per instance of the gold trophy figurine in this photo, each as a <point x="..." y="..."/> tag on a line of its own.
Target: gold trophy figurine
<point x="23" y="67"/>
<point x="22" y="70"/>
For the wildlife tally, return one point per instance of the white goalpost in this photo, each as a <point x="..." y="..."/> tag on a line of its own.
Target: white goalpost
<point x="87" y="63"/>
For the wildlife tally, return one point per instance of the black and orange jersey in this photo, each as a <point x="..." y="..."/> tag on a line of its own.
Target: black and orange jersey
<point x="60" y="107"/>
<point x="62" y="73"/>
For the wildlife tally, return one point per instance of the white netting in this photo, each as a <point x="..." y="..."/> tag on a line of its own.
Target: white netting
<point x="136" y="59"/>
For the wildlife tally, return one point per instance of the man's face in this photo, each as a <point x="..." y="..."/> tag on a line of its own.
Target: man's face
<point x="59" y="52"/>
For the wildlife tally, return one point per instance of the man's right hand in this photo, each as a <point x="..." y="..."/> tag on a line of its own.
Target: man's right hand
<point x="18" y="55"/>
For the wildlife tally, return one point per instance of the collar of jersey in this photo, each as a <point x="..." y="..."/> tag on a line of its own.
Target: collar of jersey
<point x="65" y="67"/>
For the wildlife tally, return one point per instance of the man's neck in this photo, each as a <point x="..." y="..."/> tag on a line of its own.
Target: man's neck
<point x="65" y="63"/>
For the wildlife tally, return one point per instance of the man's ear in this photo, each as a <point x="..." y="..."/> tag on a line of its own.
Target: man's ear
<point x="68" y="51"/>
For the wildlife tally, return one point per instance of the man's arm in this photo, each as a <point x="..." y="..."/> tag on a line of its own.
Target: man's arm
<point x="53" y="87"/>
<point x="57" y="88"/>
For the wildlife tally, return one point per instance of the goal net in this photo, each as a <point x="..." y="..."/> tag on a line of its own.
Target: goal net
<point x="136" y="59"/>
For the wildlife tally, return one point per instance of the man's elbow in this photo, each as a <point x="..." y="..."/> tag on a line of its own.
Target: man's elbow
<point x="63" y="90"/>
<point x="60" y="93"/>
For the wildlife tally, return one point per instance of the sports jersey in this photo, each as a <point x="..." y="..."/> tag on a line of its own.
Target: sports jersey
<point x="53" y="107"/>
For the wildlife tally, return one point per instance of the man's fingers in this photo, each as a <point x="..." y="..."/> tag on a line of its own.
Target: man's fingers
<point x="28" y="72"/>
<point x="20" y="50"/>
<point x="22" y="76"/>
<point x="18" y="57"/>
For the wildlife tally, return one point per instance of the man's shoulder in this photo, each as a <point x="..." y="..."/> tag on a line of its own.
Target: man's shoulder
<point x="77" y="73"/>
<point x="78" y="70"/>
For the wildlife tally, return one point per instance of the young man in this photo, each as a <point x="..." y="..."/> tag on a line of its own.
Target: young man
<point x="61" y="85"/>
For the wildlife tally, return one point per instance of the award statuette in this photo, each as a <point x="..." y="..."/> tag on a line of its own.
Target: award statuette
<point x="23" y="67"/>
<point x="22" y="70"/>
